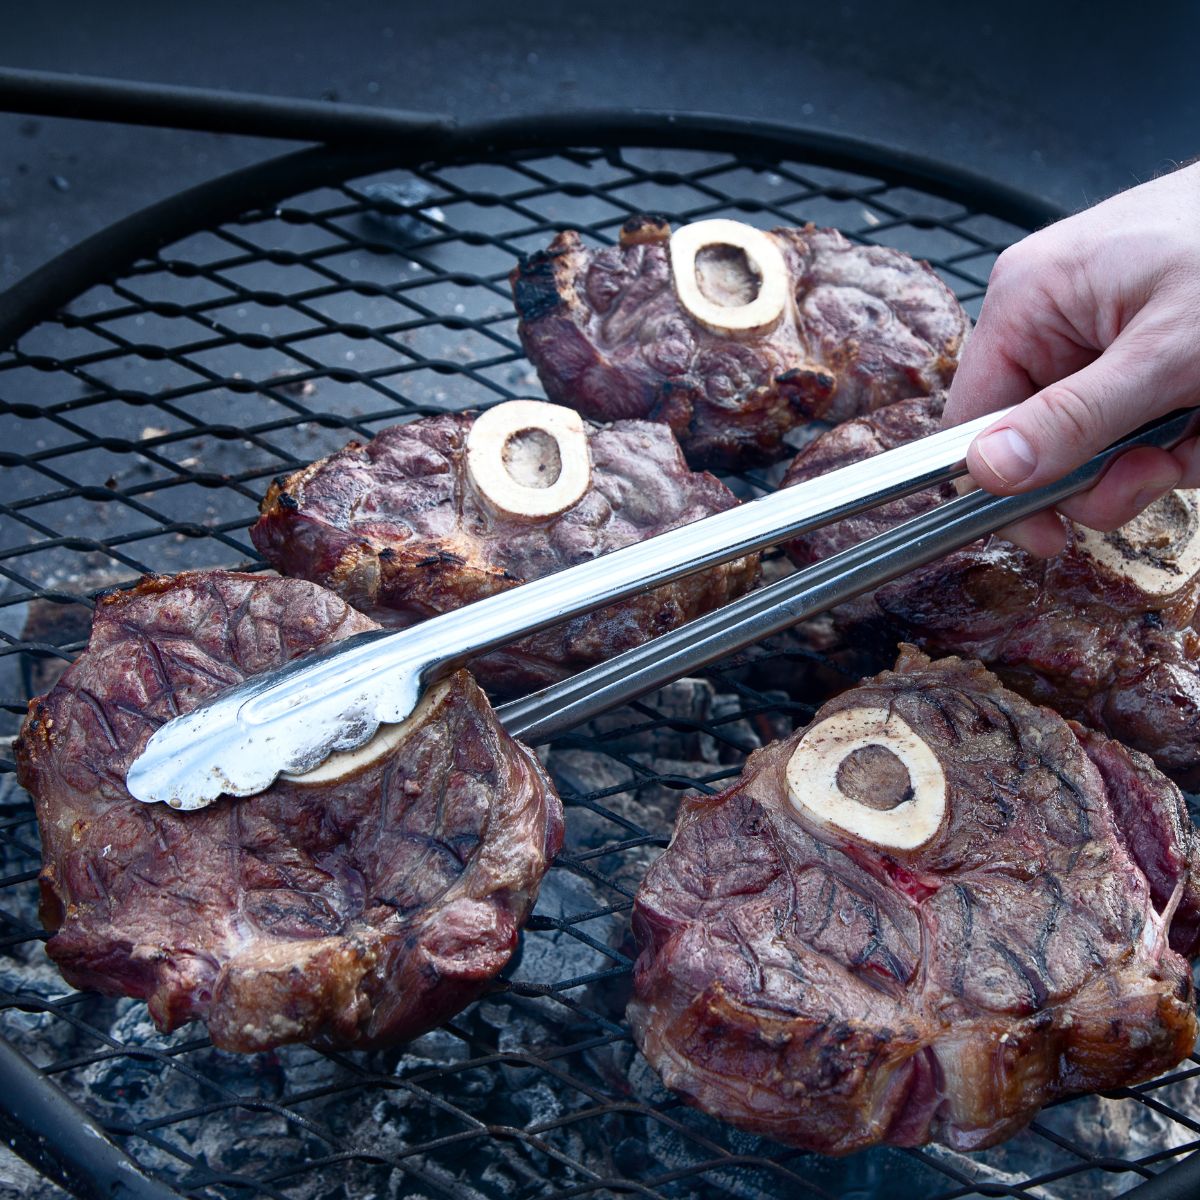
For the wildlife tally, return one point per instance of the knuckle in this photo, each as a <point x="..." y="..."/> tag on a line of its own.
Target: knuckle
<point x="1008" y="267"/>
<point x="1068" y="412"/>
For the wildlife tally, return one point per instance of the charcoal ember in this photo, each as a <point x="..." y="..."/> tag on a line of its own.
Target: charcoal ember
<point x="1104" y="632"/>
<point x="356" y="912"/>
<point x="917" y="919"/>
<point x="402" y="529"/>
<point x="860" y="327"/>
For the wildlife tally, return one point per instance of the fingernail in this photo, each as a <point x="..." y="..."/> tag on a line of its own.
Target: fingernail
<point x="1148" y="495"/>
<point x="1006" y="454"/>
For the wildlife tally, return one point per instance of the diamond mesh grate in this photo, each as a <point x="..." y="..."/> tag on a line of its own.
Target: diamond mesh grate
<point x="141" y="425"/>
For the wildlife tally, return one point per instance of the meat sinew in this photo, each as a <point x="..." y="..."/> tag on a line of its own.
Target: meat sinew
<point x="356" y="912"/>
<point x="625" y="332"/>
<point x="919" y="918"/>
<point x="413" y="524"/>
<point x="1104" y="632"/>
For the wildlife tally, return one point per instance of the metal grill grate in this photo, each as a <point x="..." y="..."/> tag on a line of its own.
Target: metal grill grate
<point x="140" y="426"/>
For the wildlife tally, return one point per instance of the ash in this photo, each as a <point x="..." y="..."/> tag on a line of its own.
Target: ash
<point x="537" y="1087"/>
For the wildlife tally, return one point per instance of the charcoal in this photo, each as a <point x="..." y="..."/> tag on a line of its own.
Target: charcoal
<point x="38" y="1033"/>
<point x="673" y="729"/>
<point x="396" y="211"/>
<point x="19" y="1181"/>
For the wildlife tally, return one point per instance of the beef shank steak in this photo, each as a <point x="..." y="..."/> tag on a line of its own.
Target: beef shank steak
<point x="1105" y="632"/>
<point x="413" y="523"/>
<point x="354" y="912"/>
<point x="736" y="339"/>
<point x="917" y="918"/>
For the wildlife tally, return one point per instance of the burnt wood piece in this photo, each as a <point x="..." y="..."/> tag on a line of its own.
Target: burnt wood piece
<point x="349" y="914"/>
<point x="808" y="985"/>
<point x="398" y="529"/>
<point x="864" y="326"/>
<point x="1105" y="632"/>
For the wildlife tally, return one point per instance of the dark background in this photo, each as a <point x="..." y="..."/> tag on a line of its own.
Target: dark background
<point x="1069" y="101"/>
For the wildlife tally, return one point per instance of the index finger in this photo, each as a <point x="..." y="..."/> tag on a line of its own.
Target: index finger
<point x="988" y="377"/>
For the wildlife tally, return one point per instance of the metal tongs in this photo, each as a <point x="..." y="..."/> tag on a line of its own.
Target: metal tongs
<point x="289" y="721"/>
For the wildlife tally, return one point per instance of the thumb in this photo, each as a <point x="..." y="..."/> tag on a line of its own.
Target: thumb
<point x="1066" y="423"/>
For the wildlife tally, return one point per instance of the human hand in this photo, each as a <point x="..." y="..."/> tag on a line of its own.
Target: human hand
<point x="1094" y="324"/>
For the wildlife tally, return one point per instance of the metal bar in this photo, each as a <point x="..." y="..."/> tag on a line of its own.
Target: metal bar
<point x="49" y="287"/>
<point x="547" y="713"/>
<point x="93" y="98"/>
<point x="61" y="1140"/>
<point x="1180" y="1181"/>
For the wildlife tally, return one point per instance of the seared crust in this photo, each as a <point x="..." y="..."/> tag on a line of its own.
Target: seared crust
<point x="866" y="326"/>
<point x="813" y="988"/>
<point x="396" y="528"/>
<point x="352" y="914"/>
<point x="1065" y="631"/>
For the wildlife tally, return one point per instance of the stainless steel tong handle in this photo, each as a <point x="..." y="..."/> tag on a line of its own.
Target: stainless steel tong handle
<point x="291" y="720"/>
<point x="870" y="564"/>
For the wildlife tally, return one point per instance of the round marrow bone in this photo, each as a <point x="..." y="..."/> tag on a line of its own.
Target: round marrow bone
<point x="1158" y="551"/>
<point x="344" y="764"/>
<point x="525" y="439"/>
<point x="815" y="786"/>
<point x="761" y="254"/>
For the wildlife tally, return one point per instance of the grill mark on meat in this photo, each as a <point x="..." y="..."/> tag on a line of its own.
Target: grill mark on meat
<point x="1002" y="789"/>
<point x="160" y="671"/>
<point x="829" y="905"/>
<point x="1032" y="982"/>
<point x="176" y="893"/>
<point x="98" y="712"/>
<point x="748" y="955"/>
<point x="966" y="904"/>
<point x="164" y="848"/>
<point x="233" y="621"/>
<point x="1050" y="924"/>
<point x="138" y="714"/>
<point x="946" y="715"/>
<point x="192" y="667"/>
<point x="99" y="886"/>
<point x="438" y="845"/>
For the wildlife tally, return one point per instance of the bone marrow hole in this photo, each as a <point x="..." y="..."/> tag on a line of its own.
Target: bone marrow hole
<point x="528" y="460"/>
<point x="874" y="776"/>
<point x="865" y="772"/>
<point x="727" y="276"/>
<point x="1163" y="529"/>
<point x="532" y="458"/>
<point x="1158" y="552"/>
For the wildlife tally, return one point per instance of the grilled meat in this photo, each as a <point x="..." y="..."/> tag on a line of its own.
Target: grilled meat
<point x="919" y="918"/>
<point x="350" y="913"/>
<point x="402" y="528"/>
<point x="858" y="328"/>
<point x="1104" y="632"/>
